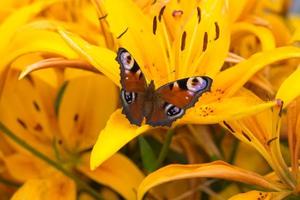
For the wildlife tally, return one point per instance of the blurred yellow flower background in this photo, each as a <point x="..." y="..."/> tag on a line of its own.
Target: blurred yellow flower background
<point x="62" y="132"/>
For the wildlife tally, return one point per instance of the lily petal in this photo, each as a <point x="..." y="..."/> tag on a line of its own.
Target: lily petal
<point x="252" y="195"/>
<point x="58" y="187"/>
<point x="111" y="174"/>
<point x="101" y="58"/>
<point x="27" y="110"/>
<point x="246" y="69"/>
<point x="238" y="106"/>
<point x="23" y="167"/>
<point x="218" y="169"/>
<point x="86" y="105"/>
<point x="19" y="18"/>
<point x="264" y="35"/>
<point x="290" y="88"/>
<point x="114" y="136"/>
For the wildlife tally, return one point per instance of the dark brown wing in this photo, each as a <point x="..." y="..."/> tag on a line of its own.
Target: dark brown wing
<point x="133" y="85"/>
<point x="174" y="98"/>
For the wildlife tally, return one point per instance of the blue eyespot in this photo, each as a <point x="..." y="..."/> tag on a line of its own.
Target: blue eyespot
<point x="173" y="111"/>
<point x="195" y="84"/>
<point x="127" y="60"/>
<point x="128" y="97"/>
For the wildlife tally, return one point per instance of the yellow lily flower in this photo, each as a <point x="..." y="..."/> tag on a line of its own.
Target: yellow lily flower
<point x="64" y="133"/>
<point x="182" y="51"/>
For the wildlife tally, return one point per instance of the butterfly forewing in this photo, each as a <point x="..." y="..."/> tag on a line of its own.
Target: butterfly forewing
<point x="133" y="85"/>
<point x="174" y="98"/>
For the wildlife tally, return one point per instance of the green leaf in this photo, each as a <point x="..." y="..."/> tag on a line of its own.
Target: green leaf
<point x="147" y="155"/>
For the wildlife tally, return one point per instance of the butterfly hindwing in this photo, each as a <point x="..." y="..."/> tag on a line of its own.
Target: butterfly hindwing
<point x="133" y="85"/>
<point x="174" y="98"/>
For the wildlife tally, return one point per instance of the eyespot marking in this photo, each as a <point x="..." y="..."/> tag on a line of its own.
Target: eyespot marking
<point x="128" y="97"/>
<point x="127" y="60"/>
<point x="195" y="84"/>
<point x="173" y="111"/>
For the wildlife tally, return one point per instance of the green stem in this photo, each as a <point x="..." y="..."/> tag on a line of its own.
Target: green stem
<point x="78" y="181"/>
<point x="165" y="149"/>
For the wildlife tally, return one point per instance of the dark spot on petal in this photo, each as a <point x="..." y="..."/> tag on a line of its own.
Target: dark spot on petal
<point x="76" y="117"/>
<point x="199" y="14"/>
<point x="36" y="106"/>
<point x="38" y="127"/>
<point x="183" y="38"/>
<point x="122" y="33"/>
<point x="161" y="12"/>
<point x="205" y="39"/>
<point x="154" y="27"/>
<point x="22" y="123"/>
<point x="217" y="30"/>
<point x="60" y="142"/>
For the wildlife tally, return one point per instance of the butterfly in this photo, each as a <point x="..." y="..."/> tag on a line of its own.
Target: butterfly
<point x="160" y="107"/>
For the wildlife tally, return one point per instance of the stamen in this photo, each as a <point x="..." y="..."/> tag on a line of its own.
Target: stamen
<point x="279" y="103"/>
<point x="161" y="12"/>
<point x="271" y="140"/>
<point x="229" y="127"/>
<point x="199" y="14"/>
<point x="36" y="106"/>
<point x="103" y="17"/>
<point x="122" y="33"/>
<point x="217" y="30"/>
<point x="22" y="123"/>
<point x="154" y="27"/>
<point x="183" y="37"/>
<point x="205" y="40"/>
<point x="246" y="136"/>
<point x="177" y="13"/>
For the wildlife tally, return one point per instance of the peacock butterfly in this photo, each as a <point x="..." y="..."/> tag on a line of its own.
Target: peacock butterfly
<point x="160" y="107"/>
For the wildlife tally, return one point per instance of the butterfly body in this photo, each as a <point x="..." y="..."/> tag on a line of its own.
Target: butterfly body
<point x="162" y="106"/>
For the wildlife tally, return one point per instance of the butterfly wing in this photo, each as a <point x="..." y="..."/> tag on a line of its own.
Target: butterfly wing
<point x="133" y="85"/>
<point x="174" y="98"/>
